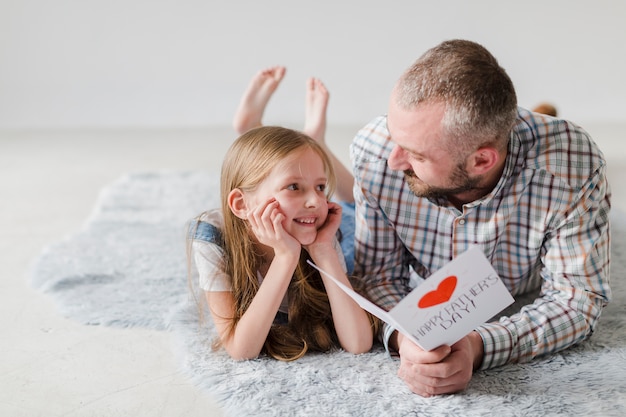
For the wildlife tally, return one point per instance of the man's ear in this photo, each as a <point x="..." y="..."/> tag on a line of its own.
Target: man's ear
<point x="483" y="160"/>
<point x="237" y="203"/>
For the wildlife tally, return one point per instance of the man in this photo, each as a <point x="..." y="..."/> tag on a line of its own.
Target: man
<point x="456" y="163"/>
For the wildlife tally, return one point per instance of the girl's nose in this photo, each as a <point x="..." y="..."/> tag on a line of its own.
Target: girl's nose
<point x="398" y="159"/>
<point x="314" y="199"/>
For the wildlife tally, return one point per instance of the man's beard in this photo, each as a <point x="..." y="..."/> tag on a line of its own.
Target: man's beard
<point x="460" y="180"/>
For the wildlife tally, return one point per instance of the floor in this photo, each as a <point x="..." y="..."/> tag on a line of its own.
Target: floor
<point x="49" y="182"/>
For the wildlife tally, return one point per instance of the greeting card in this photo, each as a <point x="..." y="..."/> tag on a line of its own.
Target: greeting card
<point x="448" y="305"/>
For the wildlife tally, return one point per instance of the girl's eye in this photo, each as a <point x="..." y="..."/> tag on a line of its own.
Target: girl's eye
<point x="292" y="187"/>
<point x="321" y="187"/>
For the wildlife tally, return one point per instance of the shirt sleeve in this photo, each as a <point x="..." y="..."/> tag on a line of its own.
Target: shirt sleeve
<point x="208" y="259"/>
<point x="575" y="272"/>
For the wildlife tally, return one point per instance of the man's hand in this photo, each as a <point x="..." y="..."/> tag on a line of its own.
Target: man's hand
<point x="444" y="370"/>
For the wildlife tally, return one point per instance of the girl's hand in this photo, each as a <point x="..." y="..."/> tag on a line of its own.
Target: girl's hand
<point x="266" y="222"/>
<point x="327" y="233"/>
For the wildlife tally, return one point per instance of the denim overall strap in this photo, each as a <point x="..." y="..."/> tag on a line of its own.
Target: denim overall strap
<point x="206" y="232"/>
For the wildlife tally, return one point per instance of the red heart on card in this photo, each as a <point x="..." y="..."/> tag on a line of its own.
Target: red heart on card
<point x="442" y="294"/>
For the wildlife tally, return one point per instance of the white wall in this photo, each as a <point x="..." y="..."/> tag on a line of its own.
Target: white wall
<point x="173" y="63"/>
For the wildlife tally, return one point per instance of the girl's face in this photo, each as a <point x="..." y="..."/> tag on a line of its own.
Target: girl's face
<point x="298" y="184"/>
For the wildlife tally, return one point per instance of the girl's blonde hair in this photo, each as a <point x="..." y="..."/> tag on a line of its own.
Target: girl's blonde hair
<point x="247" y="164"/>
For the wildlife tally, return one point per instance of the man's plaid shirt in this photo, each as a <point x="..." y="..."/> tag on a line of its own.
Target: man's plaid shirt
<point x="545" y="225"/>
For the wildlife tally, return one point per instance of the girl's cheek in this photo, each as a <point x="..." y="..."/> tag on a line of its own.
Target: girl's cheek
<point x="326" y="213"/>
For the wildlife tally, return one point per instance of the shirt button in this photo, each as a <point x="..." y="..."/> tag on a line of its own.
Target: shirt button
<point x="462" y="221"/>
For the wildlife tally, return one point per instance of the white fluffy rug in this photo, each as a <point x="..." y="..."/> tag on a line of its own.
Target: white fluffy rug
<point x="127" y="268"/>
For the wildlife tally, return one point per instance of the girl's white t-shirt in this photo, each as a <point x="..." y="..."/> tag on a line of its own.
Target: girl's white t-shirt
<point x="208" y="258"/>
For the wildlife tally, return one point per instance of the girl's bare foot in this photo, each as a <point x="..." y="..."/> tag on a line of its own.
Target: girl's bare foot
<point x="546" y="108"/>
<point x="254" y="100"/>
<point x="315" y="127"/>
<point x="315" y="109"/>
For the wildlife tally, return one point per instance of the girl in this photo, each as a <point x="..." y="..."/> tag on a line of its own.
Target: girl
<point x="251" y="255"/>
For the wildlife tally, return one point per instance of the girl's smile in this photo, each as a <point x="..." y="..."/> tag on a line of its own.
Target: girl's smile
<point x="306" y="221"/>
